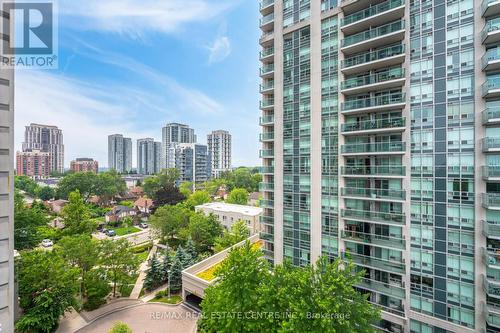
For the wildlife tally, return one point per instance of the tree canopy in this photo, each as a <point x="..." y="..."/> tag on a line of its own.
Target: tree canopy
<point x="27" y="224"/>
<point x="237" y="233"/>
<point x="196" y="199"/>
<point x="238" y="196"/>
<point x="76" y="216"/>
<point x="106" y="185"/>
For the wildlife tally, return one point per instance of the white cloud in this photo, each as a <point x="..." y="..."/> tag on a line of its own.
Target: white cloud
<point x="219" y="50"/>
<point x="135" y="17"/>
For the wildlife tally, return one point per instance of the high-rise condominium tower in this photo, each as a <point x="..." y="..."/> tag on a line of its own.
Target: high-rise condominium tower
<point x="219" y="150"/>
<point x="172" y="135"/>
<point x="7" y="287"/>
<point x="119" y="153"/>
<point x="381" y="139"/>
<point x="46" y="138"/>
<point x="148" y="156"/>
<point x="193" y="162"/>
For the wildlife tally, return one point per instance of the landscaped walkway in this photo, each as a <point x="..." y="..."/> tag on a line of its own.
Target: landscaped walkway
<point x="136" y="292"/>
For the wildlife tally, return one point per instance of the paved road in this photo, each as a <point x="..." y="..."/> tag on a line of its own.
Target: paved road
<point x="148" y="318"/>
<point x="135" y="238"/>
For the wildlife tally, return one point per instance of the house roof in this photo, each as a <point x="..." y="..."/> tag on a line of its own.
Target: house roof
<point x="225" y="207"/>
<point x="118" y="210"/>
<point x="143" y="202"/>
<point x="254" y="196"/>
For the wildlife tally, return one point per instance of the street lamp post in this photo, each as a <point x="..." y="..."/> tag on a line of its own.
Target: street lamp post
<point x="168" y="285"/>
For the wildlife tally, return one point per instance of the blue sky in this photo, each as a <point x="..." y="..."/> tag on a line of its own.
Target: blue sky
<point x="130" y="66"/>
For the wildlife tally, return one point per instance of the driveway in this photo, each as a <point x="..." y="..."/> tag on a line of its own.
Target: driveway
<point x="136" y="238"/>
<point x="147" y="318"/>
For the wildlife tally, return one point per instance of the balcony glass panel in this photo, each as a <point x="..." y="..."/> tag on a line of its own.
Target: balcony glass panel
<point x="371" y="11"/>
<point x="374" y="170"/>
<point x="374" y="193"/>
<point x="358" y="81"/>
<point x="373" y="33"/>
<point x="388" y="241"/>
<point x="373" y="216"/>
<point x="360" y="103"/>
<point x="376" y="147"/>
<point x="372" y="56"/>
<point x="374" y="124"/>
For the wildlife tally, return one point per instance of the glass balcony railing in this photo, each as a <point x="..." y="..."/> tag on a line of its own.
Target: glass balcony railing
<point x="375" y="239"/>
<point x="490" y="143"/>
<point x="267" y="136"/>
<point x="267" y="219"/>
<point x="374" y="193"/>
<point x="377" y="124"/>
<point x="267" y="86"/>
<point x="266" y="69"/>
<point x="491" y="229"/>
<point x="266" y="169"/>
<point x="267" y="19"/>
<point x="371" y="11"/>
<point x="387" y="75"/>
<point x="485" y="4"/>
<point x="373" y="216"/>
<point x="265" y="3"/>
<point x="266" y="153"/>
<point x="377" y="170"/>
<point x="266" y="186"/>
<point x="492" y="257"/>
<point x="491" y="171"/>
<point x="376" y="101"/>
<point x="491" y="25"/>
<point x="266" y="52"/>
<point x="267" y="120"/>
<point x="382" y="287"/>
<point x="376" y="147"/>
<point x="491" y="200"/>
<point x="373" y="33"/>
<point x="266" y="203"/>
<point x="490" y="55"/>
<point x="378" y="54"/>
<point x="492" y="83"/>
<point x="490" y="114"/>
<point x="267" y="236"/>
<point x="377" y="263"/>
<point x="267" y="103"/>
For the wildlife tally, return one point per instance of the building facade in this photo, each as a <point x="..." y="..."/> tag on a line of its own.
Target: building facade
<point x="120" y="153"/>
<point x="7" y="286"/>
<point x="84" y="165"/>
<point x="46" y="138"/>
<point x="172" y="135"/>
<point x="35" y="163"/>
<point x="381" y="139"/>
<point x="228" y="214"/>
<point x="193" y="162"/>
<point x="148" y="156"/>
<point x="219" y="149"/>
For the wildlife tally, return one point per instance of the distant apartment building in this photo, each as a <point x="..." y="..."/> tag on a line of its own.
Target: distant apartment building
<point x="219" y="150"/>
<point x="84" y="165"/>
<point x="193" y="162"/>
<point x="228" y="214"/>
<point x="34" y="163"/>
<point x="172" y="135"/>
<point x="119" y="153"/>
<point x="148" y="156"/>
<point x="46" y="138"/>
<point x="7" y="289"/>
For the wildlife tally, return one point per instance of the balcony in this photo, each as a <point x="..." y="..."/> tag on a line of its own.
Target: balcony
<point x="374" y="171"/>
<point x="267" y="203"/>
<point x="492" y="314"/>
<point x="376" y="15"/>
<point x="267" y="219"/>
<point x="373" y="217"/>
<point x="374" y="193"/>
<point x="490" y="8"/>
<point x="265" y="137"/>
<point x="384" y="241"/>
<point x="266" y="170"/>
<point x="491" y="200"/>
<point x="267" y="103"/>
<point x="266" y="6"/>
<point x="491" y="258"/>
<point x="490" y="145"/>
<point x="387" y="79"/>
<point x="384" y="102"/>
<point x="267" y="54"/>
<point x="266" y="153"/>
<point x="491" y="173"/>
<point x="376" y="148"/>
<point x="266" y="120"/>
<point x="491" y="229"/>
<point x="374" y="126"/>
<point x="491" y="116"/>
<point x="267" y="70"/>
<point x="491" y="88"/>
<point x="491" y="59"/>
<point x="267" y="236"/>
<point x="266" y="187"/>
<point x="267" y="22"/>
<point x="380" y="58"/>
<point x="385" y="34"/>
<point x="491" y="31"/>
<point x="377" y="263"/>
<point x="391" y="288"/>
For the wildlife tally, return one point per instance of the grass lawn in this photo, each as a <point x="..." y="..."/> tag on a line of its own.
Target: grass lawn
<point x="125" y="231"/>
<point x="175" y="299"/>
<point x="142" y="256"/>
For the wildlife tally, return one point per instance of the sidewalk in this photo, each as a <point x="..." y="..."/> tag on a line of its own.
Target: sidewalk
<point x="136" y="292"/>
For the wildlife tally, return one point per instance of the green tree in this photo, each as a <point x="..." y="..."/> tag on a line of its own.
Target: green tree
<point x="27" y="222"/>
<point x="166" y="179"/>
<point x="46" y="193"/>
<point x="176" y="275"/>
<point x="83" y="182"/>
<point x="169" y="221"/>
<point x="76" y="216"/>
<point x="191" y="249"/>
<point x="120" y="327"/>
<point x="238" y="196"/>
<point x="237" y="233"/>
<point x="82" y="253"/>
<point x="97" y="289"/>
<point x="154" y="276"/>
<point x="109" y="185"/>
<point x="204" y="230"/>
<point x="47" y="288"/>
<point x="118" y="260"/>
<point x="196" y="199"/>
<point x="26" y="184"/>
<point x="166" y="265"/>
<point x="186" y="188"/>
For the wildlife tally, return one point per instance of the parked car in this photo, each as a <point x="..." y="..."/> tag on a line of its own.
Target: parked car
<point x="110" y="233"/>
<point x="144" y="225"/>
<point x="47" y="243"/>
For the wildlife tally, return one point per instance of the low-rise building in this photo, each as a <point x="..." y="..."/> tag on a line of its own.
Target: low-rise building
<point x="84" y="165"/>
<point x="143" y="205"/>
<point x="119" y="212"/>
<point x="228" y="214"/>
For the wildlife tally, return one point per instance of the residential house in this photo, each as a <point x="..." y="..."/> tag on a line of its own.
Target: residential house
<point x="56" y="205"/>
<point x="120" y="212"/>
<point x="143" y="205"/>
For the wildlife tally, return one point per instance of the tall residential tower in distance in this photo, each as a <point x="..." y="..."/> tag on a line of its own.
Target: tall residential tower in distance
<point x="172" y="135"/>
<point x="381" y="140"/>
<point x="193" y="162"/>
<point x="119" y="153"/>
<point x="48" y="139"/>
<point x="148" y="156"/>
<point x="7" y="287"/>
<point x="219" y="150"/>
